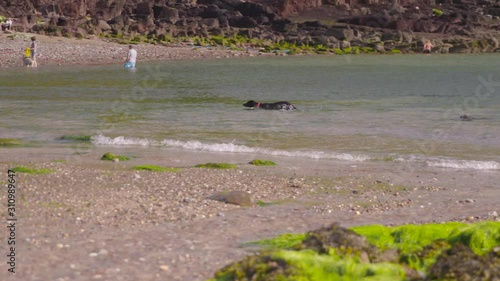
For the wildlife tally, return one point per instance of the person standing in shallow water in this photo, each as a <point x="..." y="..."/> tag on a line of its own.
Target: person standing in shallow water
<point x="131" y="57"/>
<point x="33" y="50"/>
<point x="428" y="47"/>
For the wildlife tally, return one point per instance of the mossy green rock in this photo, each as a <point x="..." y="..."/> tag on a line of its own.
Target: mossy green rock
<point x="9" y="142"/>
<point x="460" y="263"/>
<point x="111" y="157"/>
<point x="27" y="170"/>
<point x="449" y="251"/>
<point x="240" y="198"/>
<point x="258" y="162"/>
<point x="154" y="168"/>
<point x="76" y="138"/>
<point x="216" y="166"/>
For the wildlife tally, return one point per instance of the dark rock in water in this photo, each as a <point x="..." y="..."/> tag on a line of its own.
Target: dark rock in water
<point x="240" y="198"/>
<point x="460" y="263"/>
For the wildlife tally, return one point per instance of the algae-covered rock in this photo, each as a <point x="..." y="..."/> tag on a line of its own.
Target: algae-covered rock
<point x="154" y="168"/>
<point x="76" y="138"/>
<point x="9" y="142"/>
<point x="258" y="162"/>
<point x="445" y="252"/>
<point x="240" y="198"/>
<point x="28" y="170"/>
<point x="346" y="241"/>
<point x="264" y="267"/>
<point x="216" y="166"/>
<point x="460" y="263"/>
<point x="111" y="157"/>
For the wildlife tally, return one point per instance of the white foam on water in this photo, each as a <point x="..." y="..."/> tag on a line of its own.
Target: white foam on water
<point x="465" y="164"/>
<point x="223" y="147"/>
<point x="230" y="147"/>
<point x="442" y="162"/>
<point x="312" y="154"/>
<point x="122" y="141"/>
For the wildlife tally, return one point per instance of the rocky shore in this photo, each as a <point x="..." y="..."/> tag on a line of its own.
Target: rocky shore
<point x="292" y="26"/>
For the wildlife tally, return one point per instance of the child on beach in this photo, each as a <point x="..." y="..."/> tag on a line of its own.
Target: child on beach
<point x="33" y="50"/>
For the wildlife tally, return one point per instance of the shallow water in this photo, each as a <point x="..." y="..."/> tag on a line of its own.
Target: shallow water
<point x="352" y="108"/>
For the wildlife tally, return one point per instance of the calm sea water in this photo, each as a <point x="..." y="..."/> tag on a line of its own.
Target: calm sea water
<point x="352" y="108"/>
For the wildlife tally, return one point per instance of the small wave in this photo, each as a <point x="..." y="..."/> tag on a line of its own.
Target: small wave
<point x="465" y="164"/>
<point x="224" y="147"/>
<point x="119" y="141"/>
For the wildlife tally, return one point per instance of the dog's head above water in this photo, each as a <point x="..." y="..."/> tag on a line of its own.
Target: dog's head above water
<point x="251" y="103"/>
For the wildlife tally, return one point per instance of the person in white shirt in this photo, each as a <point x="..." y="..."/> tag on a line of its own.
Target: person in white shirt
<point x="8" y="24"/>
<point x="131" y="57"/>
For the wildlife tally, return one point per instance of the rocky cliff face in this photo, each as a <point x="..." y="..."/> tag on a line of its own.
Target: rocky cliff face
<point x="453" y="25"/>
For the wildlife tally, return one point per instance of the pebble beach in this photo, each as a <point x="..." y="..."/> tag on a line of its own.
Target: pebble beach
<point x="54" y="51"/>
<point x="82" y="218"/>
<point x="88" y="219"/>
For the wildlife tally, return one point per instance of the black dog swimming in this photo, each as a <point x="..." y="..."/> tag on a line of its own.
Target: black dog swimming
<point x="466" y="117"/>
<point x="280" y="105"/>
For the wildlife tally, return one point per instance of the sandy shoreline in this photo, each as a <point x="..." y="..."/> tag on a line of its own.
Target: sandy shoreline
<point x="90" y="219"/>
<point x="95" y="220"/>
<point x="55" y="51"/>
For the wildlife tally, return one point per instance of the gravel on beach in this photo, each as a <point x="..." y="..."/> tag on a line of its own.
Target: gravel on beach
<point x="55" y="51"/>
<point x="89" y="219"/>
<point x="92" y="219"/>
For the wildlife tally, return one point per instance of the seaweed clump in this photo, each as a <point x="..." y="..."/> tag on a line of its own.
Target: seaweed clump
<point x="258" y="162"/>
<point x="27" y="170"/>
<point x="460" y="263"/>
<point x="343" y="241"/>
<point x="154" y="168"/>
<point x="76" y="138"/>
<point x="111" y="157"/>
<point x="263" y="267"/>
<point x="216" y="166"/>
<point x="9" y="142"/>
<point x="449" y="251"/>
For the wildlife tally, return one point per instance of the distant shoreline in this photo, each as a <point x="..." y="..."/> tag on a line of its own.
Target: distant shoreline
<point x="69" y="51"/>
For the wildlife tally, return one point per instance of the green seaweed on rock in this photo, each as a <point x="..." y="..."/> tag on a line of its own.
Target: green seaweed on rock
<point x="448" y="251"/>
<point x="27" y="170"/>
<point x="9" y="142"/>
<point x="154" y="168"/>
<point x="258" y="162"/>
<point x="216" y="166"/>
<point x="76" y="138"/>
<point x="111" y="157"/>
